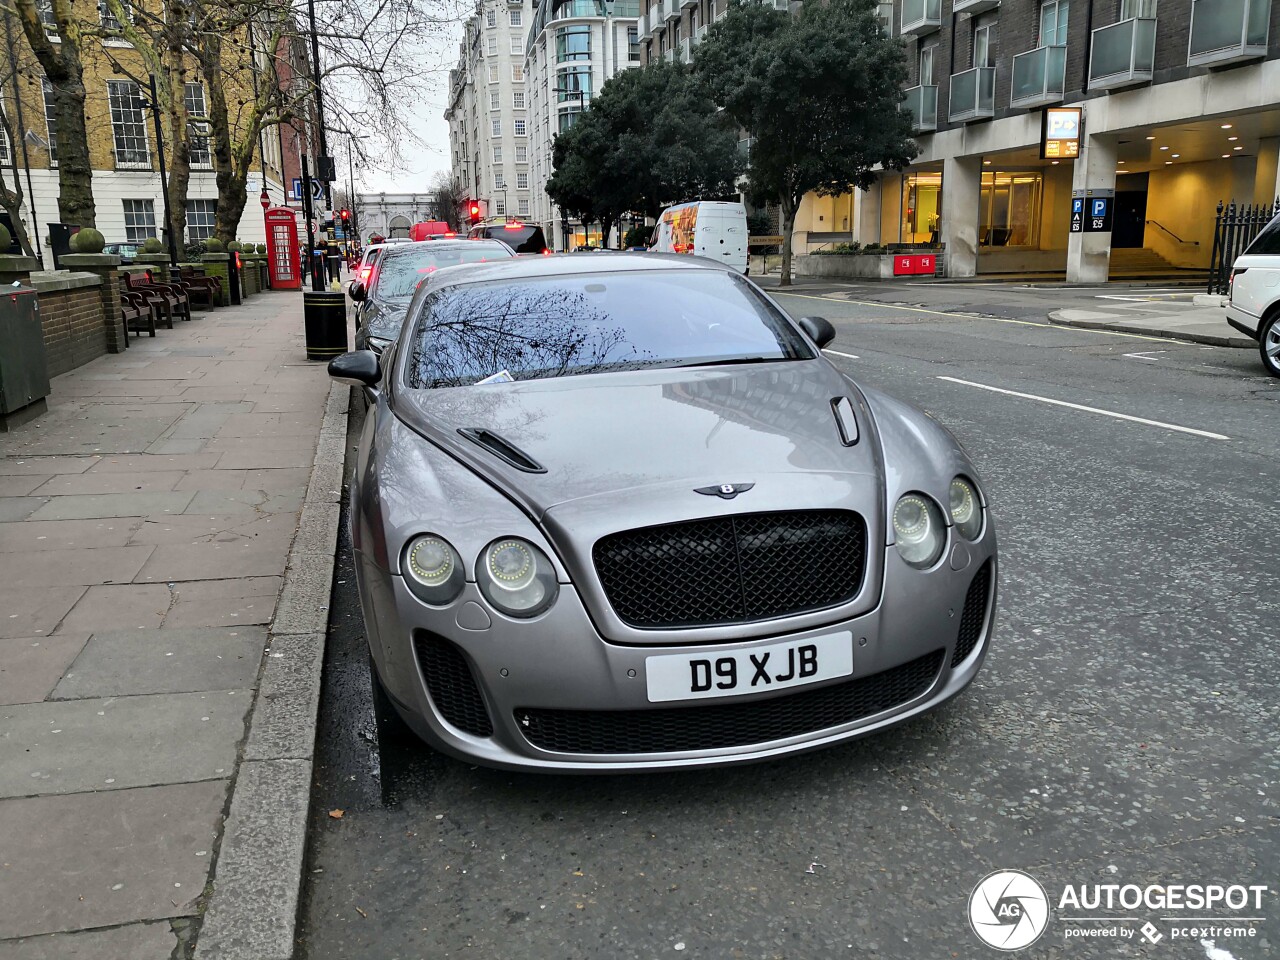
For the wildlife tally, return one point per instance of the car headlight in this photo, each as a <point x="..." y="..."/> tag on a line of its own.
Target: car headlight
<point x="516" y="577"/>
<point x="433" y="570"/>
<point x="966" y="508"/>
<point x="918" y="530"/>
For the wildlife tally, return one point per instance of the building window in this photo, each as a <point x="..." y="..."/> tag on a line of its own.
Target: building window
<point x="517" y="72"/>
<point x="522" y="181"/>
<point x="139" y="220"/>
<point x="524" y="208"/>
<point x="493" y="73"/>
<point x="520" y="127"/>
<point x="5" y="155"/>
<point x="568" y="118"/>
<point x="193" y="98"/>
<point x="497" y="153"/>
<point x="493" y="46"/>
<point x="522" y="153"/>
<point x="128" y="124"/>
<point x="1129" y="9"/>
<point x="573" y="43"/>
<point x="516" y="46"/>
<point x="108" y="20"/>
<point x="499" y="179"/>
<point x="500" y="207"/>
<point x="1053" y="23"/>
<point x="675" y="35"/>
<point x="44" y="9"/>
<point x="1009" y="212"/>
<point x="515" y="18"/>
<point x="495" y="99"/>
<point x="633" y="44"/>
<point x="926" y="66"/>
<point x="491" y="18"/>
<point x="495" y="125"/>
<point x="200" y="217"/>
<point x="984" y="46"/>
<point x="573" y="81"/>
<point x="50" y="120"/>
<point x="517" y="99"/>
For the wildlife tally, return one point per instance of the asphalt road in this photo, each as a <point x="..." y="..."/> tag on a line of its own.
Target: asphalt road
<point x="1122" y="731"/>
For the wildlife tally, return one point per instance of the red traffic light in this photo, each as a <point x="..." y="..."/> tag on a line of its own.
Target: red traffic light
<point x="345" y="214"/>
<point x="475" y="213"/>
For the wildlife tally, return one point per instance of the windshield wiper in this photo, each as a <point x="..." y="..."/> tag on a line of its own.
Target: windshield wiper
<point x="723" y="361"/>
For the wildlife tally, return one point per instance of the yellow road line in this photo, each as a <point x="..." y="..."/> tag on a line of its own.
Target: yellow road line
<point x="973" y="316"/>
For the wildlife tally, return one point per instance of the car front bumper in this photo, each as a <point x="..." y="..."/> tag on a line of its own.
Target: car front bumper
<point x="551" y="694"/>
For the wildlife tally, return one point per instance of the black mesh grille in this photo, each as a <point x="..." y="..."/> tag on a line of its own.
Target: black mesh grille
<point x="452" y="687"/>
<point x="974" y="615"/>
<point x="670" y="730"/>
<point x="738" y="569"/>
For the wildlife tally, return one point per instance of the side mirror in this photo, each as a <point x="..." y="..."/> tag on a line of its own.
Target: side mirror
<point x="358" y="368"/>
<point x="357" y="292"/>
<point x="819" y="329"/>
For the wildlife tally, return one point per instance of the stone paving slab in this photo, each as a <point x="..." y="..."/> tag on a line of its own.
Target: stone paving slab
<point x="243" y="557"/>
<point x="224" y="603"/>
<point x="200" y="528"/>
<point x="19" y="508"/>
<point x="31" y="666"/>
<point x="66" y="534"/>
<point x="18" y="466"/>
<point x="20" y="486"/>
<point x="133" y="462"/>
<point x="112" y="505"/>
<point x="109" y="482"/>
<point x="132" y="662"/>
<point x="130" y="854"/>
<point x="83" y="567"/>
<point x="248" y="502"/>
<point x="137" y="941"/>
<point x="36" y="613"/>
<point x="72" y="746"/>
<point x="118" y="607"/>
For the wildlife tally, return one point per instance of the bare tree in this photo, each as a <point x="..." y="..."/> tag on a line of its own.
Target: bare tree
<point x="449" y="196"/>
<point x="10" y="110"/>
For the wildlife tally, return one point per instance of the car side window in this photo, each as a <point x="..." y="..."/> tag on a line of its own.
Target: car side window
<point x="1268" y="241"/>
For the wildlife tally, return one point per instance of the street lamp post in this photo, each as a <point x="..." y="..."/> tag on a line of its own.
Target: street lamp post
<point x="164" y="175"/>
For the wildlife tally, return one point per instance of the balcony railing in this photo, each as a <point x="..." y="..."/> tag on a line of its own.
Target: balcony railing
<point x="973" y="6"/>
<point x="672" y="9"/>
<point x="656" y="21"/>
<point x="1122" y="54"/>
<point x="922" y="104"/>
<point x="669" y="55"/>
<point x="1039" y="77"/>
<point x="688" y="3"/>
<point x="973" y="95"/>
<point x="921" y="16"/>
<point x="643" y="33"/>
<point x="686" y="51"/>
<point x="699" y="35"/>
<point x="1227" y="31"/>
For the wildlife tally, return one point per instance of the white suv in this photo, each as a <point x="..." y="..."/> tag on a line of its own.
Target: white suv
<point x="1253" y="299"/>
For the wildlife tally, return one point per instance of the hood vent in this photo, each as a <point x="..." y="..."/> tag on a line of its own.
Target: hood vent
<point x="502" y="449"/>
<point x="847" y="423"/>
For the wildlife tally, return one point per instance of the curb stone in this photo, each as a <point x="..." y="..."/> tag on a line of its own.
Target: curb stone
<point x="1211" y="340"/>
<point x="252" y="913"/>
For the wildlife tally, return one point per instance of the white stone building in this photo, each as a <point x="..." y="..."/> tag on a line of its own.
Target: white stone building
<point x="574" y="46"/>
<point x="488" y="111"/>
<point x="392" y="214"/>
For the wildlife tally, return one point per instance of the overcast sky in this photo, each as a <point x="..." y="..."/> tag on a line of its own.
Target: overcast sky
<point x="419" y="163"/>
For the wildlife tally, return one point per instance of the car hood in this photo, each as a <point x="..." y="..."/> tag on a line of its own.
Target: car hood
<point x="657" y="435"/>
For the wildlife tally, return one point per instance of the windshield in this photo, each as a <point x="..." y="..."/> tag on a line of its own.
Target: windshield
<point x="401" y="271"/>
<point x="521" y="239"/>
<point x="590" y="323"/>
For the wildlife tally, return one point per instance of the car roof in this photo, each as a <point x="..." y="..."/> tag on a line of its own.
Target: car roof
<point x="450" y="244"/>
<point x="569" y="264"/>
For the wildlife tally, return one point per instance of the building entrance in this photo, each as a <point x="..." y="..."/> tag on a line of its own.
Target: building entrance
<point x="1129" y="222"/>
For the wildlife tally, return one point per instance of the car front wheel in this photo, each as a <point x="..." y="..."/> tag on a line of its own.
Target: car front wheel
<point x="1269" y="344"/>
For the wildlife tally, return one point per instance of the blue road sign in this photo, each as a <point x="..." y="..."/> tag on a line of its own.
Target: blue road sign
<point x="1099" y="207"/>
<point x="1077" y="203"/>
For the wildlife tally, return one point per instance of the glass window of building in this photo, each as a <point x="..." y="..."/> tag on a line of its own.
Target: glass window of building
<point x="921" y="207"/>
<point x="491" y="18"/>
<point x="495" y="126"/>
<point x="1129" y="9"/>
<point x="517" y="99"/>
<point x="128" y="124"/>
<point x="984" y="45"/>
<point x="568" y="118"/>
<point x="516" y="46"/>
<point x="108" y="19"/>
<point x="5" y="153"/>
<point x="497" y="153"/>
<point x="1053" y="23"/>
<point x="517" y="72"/>
<point x="500" y="207"/>
<point x="50" y="120"/>
<point x="926" y="66"/>
<point x="495" y="99"/>
<point x="139" y="220"/>
<point x="522" y="181"/>
<point x="521" y="129"/>
<point x="524" y="208"/>
<point x="493" y="73"/>
<point x="515" y="18"/>
<point x="1009" y="211"/>
<point x="633" y="44"/>
<point x="573" y="43"/>
<point x="200" y="217"/>
<point x="493" y="46"/>
<point x="522" y="153"/>
<point x="571" y="82"/>
<point x="193" y="99"/>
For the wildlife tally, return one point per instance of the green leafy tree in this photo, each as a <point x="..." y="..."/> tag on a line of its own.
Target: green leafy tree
<point x="817" y="90"/>
<point x="652" y="137"/>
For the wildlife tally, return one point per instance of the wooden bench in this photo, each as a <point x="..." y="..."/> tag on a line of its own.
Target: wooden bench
<point x="209" y="289"/>
<point x="137" y="313"/>
<point x="161" y="299"/>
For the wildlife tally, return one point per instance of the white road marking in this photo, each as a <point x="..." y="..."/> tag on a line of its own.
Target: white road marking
<point x="837" y="353"/>
<point x="1077" y="406"/>
<point x="1146" y="355"/>
<point x="974" y="316"/>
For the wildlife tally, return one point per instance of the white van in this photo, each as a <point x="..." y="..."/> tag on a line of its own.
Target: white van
<point x="705" y="228"/>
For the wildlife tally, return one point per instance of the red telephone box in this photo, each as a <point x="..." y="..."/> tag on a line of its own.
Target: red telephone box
<point x="282" y="249"/>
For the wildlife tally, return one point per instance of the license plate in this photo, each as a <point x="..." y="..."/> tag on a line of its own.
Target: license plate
<point x="719" y="673"/>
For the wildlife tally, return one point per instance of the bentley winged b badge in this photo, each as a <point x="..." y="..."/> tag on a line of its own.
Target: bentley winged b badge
<point x="725" y="491"/>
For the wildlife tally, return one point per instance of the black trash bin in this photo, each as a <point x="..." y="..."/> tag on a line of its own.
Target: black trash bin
<point x="324" y="315"/>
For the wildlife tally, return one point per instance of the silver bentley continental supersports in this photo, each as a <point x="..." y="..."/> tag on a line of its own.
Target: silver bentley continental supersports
<point x="619" y="513"/>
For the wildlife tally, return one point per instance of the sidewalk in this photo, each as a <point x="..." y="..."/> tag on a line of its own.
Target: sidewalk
<point x="1200" y="320"/>
<point x="147" y="529"/>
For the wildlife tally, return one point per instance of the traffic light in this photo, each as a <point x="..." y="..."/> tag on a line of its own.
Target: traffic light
<point x="345" y="215"/>
<point x="475" y="213"/>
